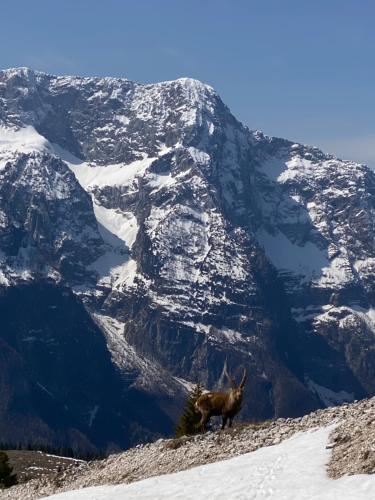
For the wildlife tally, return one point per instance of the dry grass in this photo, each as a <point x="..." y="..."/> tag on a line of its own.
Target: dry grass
<point x="176" y="443"/>
<point x="34" y="464"/>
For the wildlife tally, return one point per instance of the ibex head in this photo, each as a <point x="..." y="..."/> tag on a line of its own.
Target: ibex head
<point x="237" y="390"/>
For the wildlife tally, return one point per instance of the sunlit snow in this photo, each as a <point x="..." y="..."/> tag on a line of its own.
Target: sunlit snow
<point x="123" y="225"/>
<point x="109" y="175"/>
<point x="25" y="139"/>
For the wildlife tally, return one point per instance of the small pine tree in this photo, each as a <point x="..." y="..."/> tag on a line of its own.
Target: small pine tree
<point x="188" y="423"/>
<point x="7" y="478"/>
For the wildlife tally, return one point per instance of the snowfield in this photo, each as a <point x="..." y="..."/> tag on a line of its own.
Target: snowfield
<point x="292" y="470"/>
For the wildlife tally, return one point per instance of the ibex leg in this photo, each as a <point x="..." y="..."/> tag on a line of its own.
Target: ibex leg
<point x="205" y="418"/>
<point x="224" y="421"/>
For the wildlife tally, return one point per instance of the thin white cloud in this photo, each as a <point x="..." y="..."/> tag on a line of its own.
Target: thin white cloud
<point x="51" y="61"/>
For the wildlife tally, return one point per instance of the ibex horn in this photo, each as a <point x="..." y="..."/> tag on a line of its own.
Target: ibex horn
<point x="231" y="380"/>
<point x="244" y="376"/>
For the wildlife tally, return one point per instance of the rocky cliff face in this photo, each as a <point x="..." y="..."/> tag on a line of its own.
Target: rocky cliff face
<point x="59" y="386"/>
<point x="190" y="239"/>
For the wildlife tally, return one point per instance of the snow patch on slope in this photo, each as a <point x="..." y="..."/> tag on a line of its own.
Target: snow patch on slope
<point x="350" y="316"/>
<point x="25" y="139"/>
<point x="117" y="228"/>
<point x="296" y="167"/>
<point x="368" y="315"/>
<point x="328" y="396"/>
<point x="306" y="261"/>
<point x="122" y="224"/>
<point x="138" y="370"/>
<point x="338" y="272"/>
<point x="89" y="175"/>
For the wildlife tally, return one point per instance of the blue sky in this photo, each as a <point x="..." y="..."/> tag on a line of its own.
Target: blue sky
<point x="303" y="70"/>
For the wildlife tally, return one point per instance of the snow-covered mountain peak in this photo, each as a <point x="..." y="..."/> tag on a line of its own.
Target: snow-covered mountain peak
<point x="111" y="120"/>
<point x="21" y="71"/>
<point x="27" y="72"/>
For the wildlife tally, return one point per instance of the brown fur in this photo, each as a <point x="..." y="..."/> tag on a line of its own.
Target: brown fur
<point x="227" y="404"/>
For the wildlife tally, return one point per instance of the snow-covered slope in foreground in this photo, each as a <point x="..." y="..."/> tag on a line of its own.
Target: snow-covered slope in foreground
<point x="292" y="470"/>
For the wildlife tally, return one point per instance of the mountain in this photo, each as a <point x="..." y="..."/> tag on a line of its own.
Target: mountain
<point x="148" y="218"/>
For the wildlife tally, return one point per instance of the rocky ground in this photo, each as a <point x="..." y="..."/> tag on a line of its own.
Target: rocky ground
<point x="352" y="442"/>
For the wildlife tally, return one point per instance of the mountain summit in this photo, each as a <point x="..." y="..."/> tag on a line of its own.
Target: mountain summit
<point x="146" y="236"/>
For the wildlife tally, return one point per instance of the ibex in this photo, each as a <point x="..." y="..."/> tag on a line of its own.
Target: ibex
<point x="227" y="404"/>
